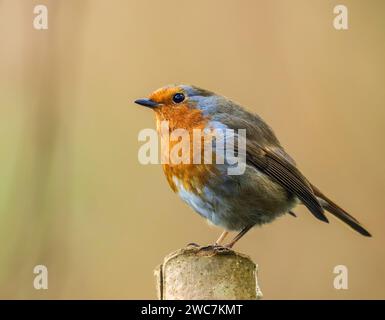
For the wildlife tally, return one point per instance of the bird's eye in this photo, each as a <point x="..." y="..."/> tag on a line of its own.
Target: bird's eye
<point x="178" y="97"/>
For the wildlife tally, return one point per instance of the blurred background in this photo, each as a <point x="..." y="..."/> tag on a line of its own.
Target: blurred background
<point x="73" y="195"/>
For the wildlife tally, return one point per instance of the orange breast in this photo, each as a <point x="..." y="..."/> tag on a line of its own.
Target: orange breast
<point x="193" y="177"/>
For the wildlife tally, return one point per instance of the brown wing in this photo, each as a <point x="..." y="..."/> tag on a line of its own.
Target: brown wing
<point x="274" y="163"/>
<point x="286" y="174"/>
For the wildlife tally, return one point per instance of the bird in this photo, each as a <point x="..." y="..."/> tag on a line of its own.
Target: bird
<point x="271" y="184"/>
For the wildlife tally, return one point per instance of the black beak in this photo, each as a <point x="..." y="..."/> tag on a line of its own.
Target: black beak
<point x="147" y="103"/>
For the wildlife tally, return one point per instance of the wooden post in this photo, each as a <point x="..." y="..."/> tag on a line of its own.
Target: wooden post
<point x="192" y="274"/>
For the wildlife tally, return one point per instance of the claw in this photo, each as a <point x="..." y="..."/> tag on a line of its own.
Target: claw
<point x="214" y="247"/>
<point x="292" y="213"/>
<point x="193" y="244"/>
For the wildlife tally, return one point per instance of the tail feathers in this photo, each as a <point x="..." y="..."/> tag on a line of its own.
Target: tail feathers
<point x="340" y="213"/>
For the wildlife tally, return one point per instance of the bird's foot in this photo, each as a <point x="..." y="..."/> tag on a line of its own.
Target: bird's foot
<point x="193" y="244"/>
<point x="214" y="247"/>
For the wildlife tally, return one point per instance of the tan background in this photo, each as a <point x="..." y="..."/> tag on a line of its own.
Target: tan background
<point x="73" y="195"/>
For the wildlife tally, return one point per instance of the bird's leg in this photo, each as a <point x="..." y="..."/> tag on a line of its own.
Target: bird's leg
<point x="217" y="245"/>
<point x="238" y="236"/>
<point x="221" y="238"/>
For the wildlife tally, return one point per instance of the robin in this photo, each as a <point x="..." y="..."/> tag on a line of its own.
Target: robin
<point x="271" y="184"/>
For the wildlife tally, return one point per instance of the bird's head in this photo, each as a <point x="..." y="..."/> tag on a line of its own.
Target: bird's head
<point x="175" y="96"/>
<point x="178" y="100"/>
